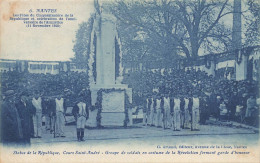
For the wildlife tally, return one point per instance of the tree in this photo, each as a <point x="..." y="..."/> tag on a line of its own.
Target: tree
<point x="177" y="27"/>
<point x="202" y="21"/>
<point x="144" y="30"/>
<point x="252" y="23"/>
<point x="82" y="44"/>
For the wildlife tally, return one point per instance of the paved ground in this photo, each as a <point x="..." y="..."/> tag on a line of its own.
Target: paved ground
<point x="141" y="132"/>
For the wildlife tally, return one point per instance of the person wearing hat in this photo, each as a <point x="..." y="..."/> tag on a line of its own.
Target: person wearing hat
<point x="37" y="117"/>
<point x="81" y="112"/>
<point x="59" y="119"/>
<point x="11" y="128"/>
<point x="23" y="108"/>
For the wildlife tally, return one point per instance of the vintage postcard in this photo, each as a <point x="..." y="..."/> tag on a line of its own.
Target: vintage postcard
<point x="129" y="81"/>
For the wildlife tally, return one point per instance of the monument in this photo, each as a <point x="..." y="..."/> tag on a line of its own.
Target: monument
<point x="105" y="72"/>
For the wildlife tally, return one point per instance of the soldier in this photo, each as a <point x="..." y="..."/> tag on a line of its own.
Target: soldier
<point x="176" y="114"/>
<point x="158" y="112"/>
<point x="37" y="117"/>
<point x="187" y="117"/>
<point x="172" y="110"/>
<point x="182" y="112"/>
<point x="59" y="119"/>
<point x="195" y="113"/>
<point x="81" y="112"/>
<point x="148" y="110"/>
<point x="153" y="111"/>
<point x="145" y="112"/>
<point x="167" y="114"/>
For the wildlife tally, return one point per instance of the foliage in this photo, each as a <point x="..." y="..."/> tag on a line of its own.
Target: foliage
<point x="252" y="23"/>
<point x="166" y="29"/>
<point x="82" y="44"/>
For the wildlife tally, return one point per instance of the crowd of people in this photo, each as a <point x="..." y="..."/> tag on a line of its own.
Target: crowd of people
<point x="27" y="98"/>
<point x="170" y="98"/>
<point x="219" y="97"/>
<point x="48" y="84"/>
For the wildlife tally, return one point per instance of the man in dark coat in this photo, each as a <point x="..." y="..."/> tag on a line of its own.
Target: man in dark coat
<point x="48" y="110"/>
<point x="11" y="130"/>
<point x="232" y="103"/>
<point x="213" y="103"/>
<point x="204" y="112"/>
<point x="23" y="109"/>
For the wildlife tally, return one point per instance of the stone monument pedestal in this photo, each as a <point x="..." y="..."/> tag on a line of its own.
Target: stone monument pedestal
<point x="106" y="71"/>
<point x="113" y="104"/>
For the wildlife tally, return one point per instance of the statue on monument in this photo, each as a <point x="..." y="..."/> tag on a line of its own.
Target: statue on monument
<point x="106" y="70"/>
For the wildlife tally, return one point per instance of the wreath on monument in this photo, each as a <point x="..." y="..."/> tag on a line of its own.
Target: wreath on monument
<point x="94" y="66"/>
<point x="99" y="105"/>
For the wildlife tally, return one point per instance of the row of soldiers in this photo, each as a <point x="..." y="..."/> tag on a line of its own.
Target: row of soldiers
<point x="175" y="112"/>
<point x="21" y="116"/>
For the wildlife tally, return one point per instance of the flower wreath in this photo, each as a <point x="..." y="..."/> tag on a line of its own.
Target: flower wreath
<point x="99" y="105"/>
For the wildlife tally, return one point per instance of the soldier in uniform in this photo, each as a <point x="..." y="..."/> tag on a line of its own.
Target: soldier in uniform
<point x="81" y="112"/>
<point x="167" y="114"/>
<point x="147" y="119"/>
<point x="150" y="109"/>
<point x="158" y="111"/>
<point x="153" y="111"/>
<point x="59" y="119"/>
<point x="145" y="112"/>
<point x="172" y="110"/>
<point x="182" y="111"/>
<point x="37" y="117"/>
<point x="186" y="113"/>
<point x="176" y="114"/>
<point x="195" y="113"/>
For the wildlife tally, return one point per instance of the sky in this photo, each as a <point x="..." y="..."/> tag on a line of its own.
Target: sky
<point x="44" y="44"/>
